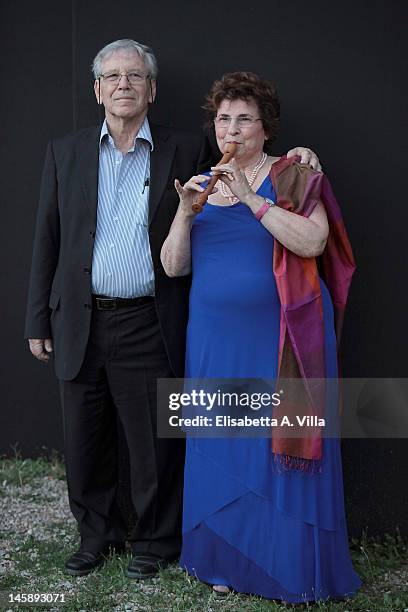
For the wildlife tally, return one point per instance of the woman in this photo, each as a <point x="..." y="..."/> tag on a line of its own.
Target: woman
<point x="257" y="519"/>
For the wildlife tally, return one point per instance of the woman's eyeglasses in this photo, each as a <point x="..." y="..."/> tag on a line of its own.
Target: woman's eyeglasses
<point x="242" y="121"/>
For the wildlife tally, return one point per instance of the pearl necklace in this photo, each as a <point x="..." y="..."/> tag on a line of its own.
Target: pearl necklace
<point x="226" y="191"/>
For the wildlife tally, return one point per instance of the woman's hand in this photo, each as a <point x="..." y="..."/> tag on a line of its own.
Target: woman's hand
<point x="188" y="193"/>
<point x="176" y="251"/>
<point x="232" y="175"/>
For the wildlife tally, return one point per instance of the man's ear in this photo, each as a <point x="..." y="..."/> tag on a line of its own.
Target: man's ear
<point x="152" y="90"/>
<point x="97" y="90"/>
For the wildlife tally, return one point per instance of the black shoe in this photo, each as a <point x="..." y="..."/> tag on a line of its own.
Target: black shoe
<point x="145" y="566"/>
<point x="83" y="562"/>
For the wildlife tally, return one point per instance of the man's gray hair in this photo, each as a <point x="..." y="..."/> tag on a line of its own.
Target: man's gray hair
<point x="126" y="44"/>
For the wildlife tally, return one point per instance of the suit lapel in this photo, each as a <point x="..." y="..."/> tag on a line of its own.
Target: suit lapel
<point x="89" y="164"/>
<point x="161" y="161"/>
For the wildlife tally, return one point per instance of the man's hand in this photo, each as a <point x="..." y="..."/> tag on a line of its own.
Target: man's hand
<point x="40" y="348"/>
<point x="307" y="157"/>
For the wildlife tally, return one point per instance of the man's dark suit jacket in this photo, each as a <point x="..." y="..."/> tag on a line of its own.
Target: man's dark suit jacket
<point x="59" y="300"/>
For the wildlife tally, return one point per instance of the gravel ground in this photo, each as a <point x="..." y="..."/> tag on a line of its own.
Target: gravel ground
<point x="37" y="533"/>
<point x="23" y="511"/>
<point x="39" y="509"/>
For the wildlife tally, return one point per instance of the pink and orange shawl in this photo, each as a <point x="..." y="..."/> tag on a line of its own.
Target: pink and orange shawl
<point x="301" y="347"/>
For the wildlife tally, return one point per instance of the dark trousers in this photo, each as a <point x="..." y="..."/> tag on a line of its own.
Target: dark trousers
<point x="124" y="358"/>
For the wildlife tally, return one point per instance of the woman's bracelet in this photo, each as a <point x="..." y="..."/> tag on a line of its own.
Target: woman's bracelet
<point x="264" y="208"/>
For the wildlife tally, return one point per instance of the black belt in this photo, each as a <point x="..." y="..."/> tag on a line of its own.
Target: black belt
<point x="102" y="302"/>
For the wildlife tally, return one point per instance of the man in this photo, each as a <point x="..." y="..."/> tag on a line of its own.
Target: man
<point x="100" y="299"/>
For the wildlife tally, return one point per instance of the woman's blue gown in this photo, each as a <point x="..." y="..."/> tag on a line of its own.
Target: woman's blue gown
<point x="279" y="535"/>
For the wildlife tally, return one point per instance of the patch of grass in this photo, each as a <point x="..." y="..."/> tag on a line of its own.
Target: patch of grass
<point x="12" y="581"/>
<point x="175" y="591"/>
<point x="38" y="568"/>
<point x="45" y="557"/>
<point x="19" y="471"/>
<point x="372" y="557"/>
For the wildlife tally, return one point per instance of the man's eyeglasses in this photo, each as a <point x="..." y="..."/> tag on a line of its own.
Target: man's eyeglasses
<point x="134" y="78"/>
<point x="243" y="121"/>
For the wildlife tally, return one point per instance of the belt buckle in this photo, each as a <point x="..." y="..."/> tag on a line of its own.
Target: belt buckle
<point x="105" y="304"/>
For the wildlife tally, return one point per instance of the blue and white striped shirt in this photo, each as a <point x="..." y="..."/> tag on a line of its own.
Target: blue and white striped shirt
<point x="122" y="264"/>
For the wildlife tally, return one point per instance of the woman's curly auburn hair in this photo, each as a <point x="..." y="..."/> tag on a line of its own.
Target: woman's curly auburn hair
<point x="246" y="86"/>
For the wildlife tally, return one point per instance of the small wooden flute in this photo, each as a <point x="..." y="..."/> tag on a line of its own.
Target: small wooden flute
<point x="202" y="198"/>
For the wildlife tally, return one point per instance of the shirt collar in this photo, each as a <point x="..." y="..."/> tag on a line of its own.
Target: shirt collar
<point x="143" y="134"/>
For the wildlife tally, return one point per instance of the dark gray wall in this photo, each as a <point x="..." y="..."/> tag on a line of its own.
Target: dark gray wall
<point x="340" y="69"/>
